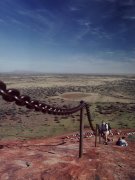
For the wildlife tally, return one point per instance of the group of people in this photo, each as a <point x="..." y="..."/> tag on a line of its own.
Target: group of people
<point x="105" y="131"/>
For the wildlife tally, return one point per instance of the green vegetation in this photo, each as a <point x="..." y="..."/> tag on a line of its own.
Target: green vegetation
<point x="36" y="126"/>
<point x="112" y="99"/>
<point x="118" y="118"/>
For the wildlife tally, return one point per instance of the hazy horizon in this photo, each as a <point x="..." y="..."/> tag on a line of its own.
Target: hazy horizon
<point x="64" y="73"/>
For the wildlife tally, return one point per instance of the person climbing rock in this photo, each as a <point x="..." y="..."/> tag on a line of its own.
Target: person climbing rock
<point x="104" y="130"/>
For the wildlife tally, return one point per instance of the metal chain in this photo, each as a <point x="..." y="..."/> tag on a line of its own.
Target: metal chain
<point x="13" y="95"/>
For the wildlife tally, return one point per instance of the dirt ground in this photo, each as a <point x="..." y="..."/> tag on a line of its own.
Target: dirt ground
<point x="57" y="158"/>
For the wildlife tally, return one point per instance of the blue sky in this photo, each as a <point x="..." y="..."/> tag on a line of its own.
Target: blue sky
<point x="67" y="36"/>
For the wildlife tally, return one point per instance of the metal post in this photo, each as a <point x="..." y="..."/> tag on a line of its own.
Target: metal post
<point x="99" y="133"/>
<point x="96" y="133"/>
<point x="81" y="134"/>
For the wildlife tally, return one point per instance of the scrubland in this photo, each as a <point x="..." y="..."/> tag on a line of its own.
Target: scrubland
<point x="111" y="98"/>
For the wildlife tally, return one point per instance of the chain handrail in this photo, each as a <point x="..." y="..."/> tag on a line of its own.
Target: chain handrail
<point x="13" y="95"/>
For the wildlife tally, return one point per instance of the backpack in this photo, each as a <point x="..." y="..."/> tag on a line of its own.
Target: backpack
<point x="104" y="127"/>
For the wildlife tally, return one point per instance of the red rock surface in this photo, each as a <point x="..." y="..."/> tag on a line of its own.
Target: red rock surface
<point x="57" y="159"/>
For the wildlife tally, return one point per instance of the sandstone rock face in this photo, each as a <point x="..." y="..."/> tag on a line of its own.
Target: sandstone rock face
<point x="57" y="159"/>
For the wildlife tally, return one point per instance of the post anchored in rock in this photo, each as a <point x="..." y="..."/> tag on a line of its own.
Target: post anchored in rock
<point x="81" y="130"/>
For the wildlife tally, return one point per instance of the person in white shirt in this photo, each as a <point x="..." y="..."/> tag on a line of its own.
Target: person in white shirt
<point x="122" y="142"/>
<point x="104" y="131"/>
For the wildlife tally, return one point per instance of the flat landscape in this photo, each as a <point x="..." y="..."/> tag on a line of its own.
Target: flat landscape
<point x="39" y="146"/>
<point x="110" y="97"/>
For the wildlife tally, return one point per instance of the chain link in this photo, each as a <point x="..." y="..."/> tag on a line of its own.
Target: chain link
<point x="13" y="95"/>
